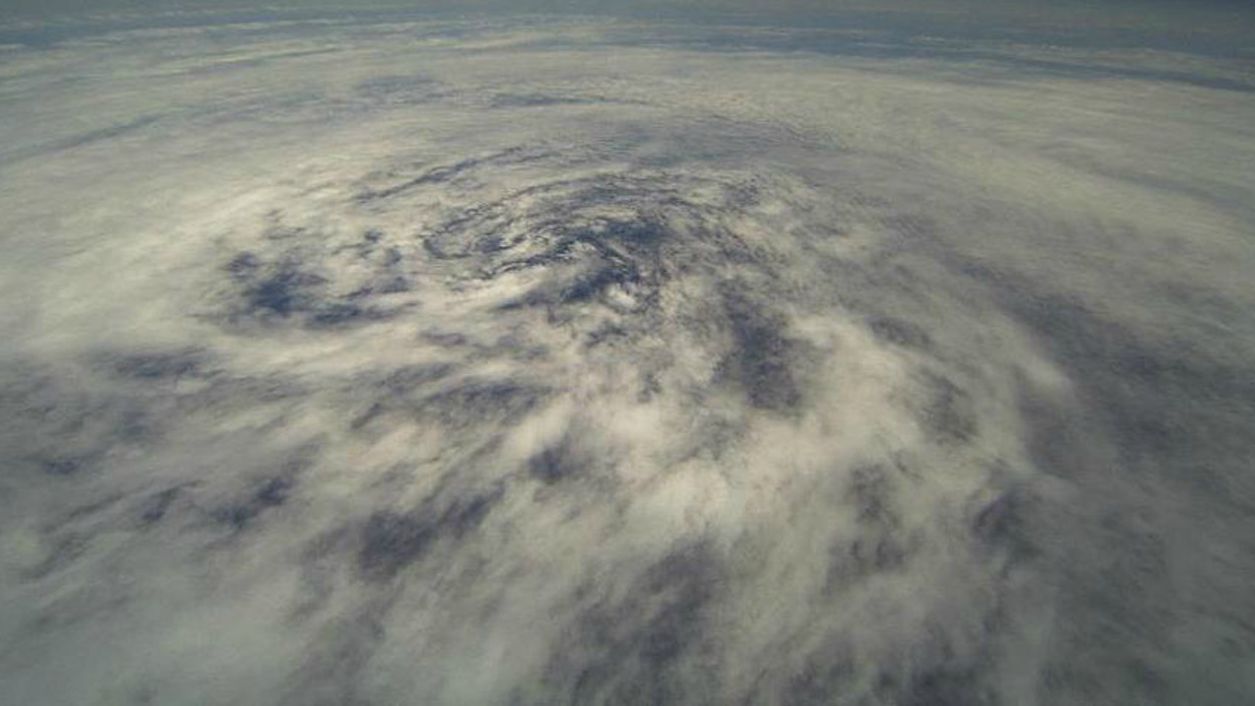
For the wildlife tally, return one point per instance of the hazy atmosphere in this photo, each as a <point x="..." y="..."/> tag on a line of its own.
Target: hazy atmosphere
<point x="861" y="353"/>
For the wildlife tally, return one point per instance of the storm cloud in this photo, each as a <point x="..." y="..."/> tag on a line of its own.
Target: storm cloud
<point x="540" y="361"/>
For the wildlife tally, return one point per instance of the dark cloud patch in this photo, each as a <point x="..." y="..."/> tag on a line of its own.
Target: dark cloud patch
<point x="394" y="285"/>
<point x="871" y="493"/>
<point x="65" y="465"/>
<point x="282" y="292"/>
<point x="466" y="514"/>
<point x="762" y="357"/>
<point x="947" y="685"/>
<point x="478" y="401"/>
<point x="875" y="551"/>
<point x="1167" y="403"/>
<point x="288" y="291"/>
<point x="563" y="460"/>
<point x="65" y="549"/>
<point x="560" y="224"/>
<point x="1149" y="406"/>
<point x="594" y="284"/>
<point x="392" y="257"/>
<point x="881" y="544"/>
<point x="243" y="264"/>
<point x="535" y="100"/>
<point x="93" y="508"/>
<point x="947" y="413"/>
<point x="641" y="235"/>
<point x="74" y="422"/>
<point x="84" y="139"/>
<point x="436" y="175"/>
<point x="159" y="365"/>
<point x="632" y="650"/>
<point x="271" y="493"/>
<point x="402" y="391"/>
<point x="336" y="314"/>
<point x="899" y="332"/>
<point x="1005" y="522"/>
<point x="446" y="339"/>
<point x="441" y="174"/>
<point x="824" y="675"/>
<point x="478" y="230"/>
<point x="406" y="380"/>
<point x="391" y="540"/>
<point x="154" y="507"/>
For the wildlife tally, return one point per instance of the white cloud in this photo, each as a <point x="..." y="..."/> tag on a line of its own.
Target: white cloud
<point x="531" y="363"/>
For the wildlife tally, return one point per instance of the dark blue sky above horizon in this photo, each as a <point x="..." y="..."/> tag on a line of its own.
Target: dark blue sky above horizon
<point x="1213" y="27"/>
<point x="1212" y="15"/>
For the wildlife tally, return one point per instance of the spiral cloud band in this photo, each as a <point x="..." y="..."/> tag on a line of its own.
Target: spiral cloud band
<point x="589" y="361"/>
